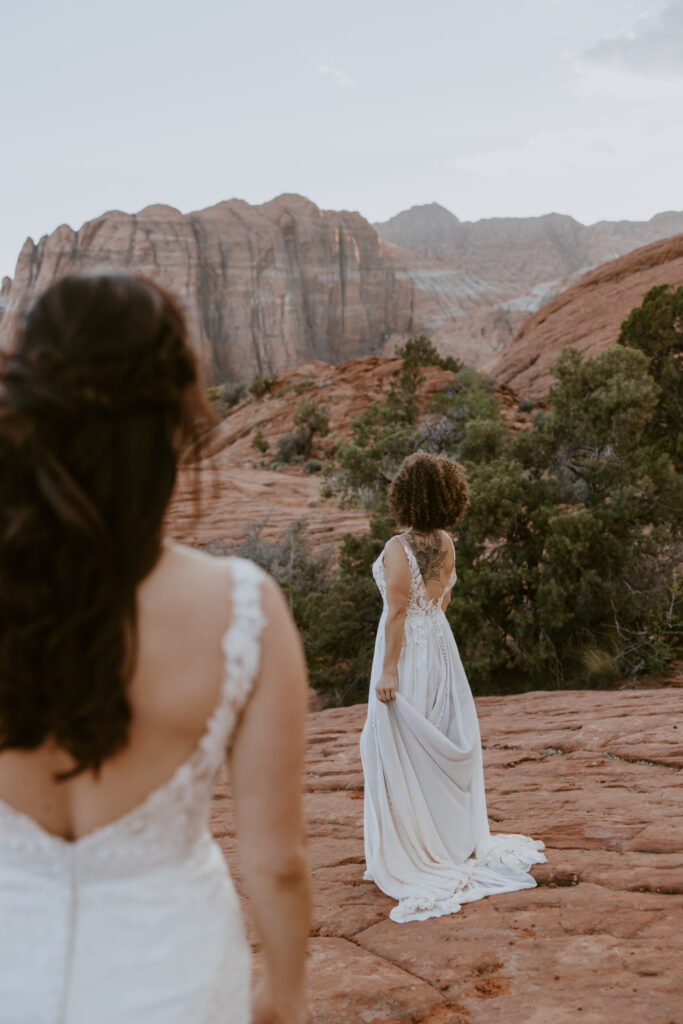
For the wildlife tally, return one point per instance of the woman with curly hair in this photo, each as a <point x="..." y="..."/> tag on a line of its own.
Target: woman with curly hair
<point x="427" y="839"/>
<point x="129" y="666"/>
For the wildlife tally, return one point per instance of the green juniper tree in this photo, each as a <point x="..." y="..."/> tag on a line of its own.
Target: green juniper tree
<point x="568" y="555"/>
<point x="656" y="329"/>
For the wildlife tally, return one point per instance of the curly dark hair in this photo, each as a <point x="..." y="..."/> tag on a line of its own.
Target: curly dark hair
<point x="429" y="492"/>
<point x="98" y="396"/>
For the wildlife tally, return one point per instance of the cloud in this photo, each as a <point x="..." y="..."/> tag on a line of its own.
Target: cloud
<point x="574" y="149"/>
<point x="343" y="80"/>
<point x="654" y="47"/>
<point x="642" y="63"/>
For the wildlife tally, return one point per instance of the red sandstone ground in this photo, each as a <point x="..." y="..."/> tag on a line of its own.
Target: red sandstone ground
<point x="593" y="774"/>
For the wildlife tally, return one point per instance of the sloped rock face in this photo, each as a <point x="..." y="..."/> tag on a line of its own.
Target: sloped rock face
<point x="238" y="488"/>
<point x="595" y="776"/>
<point x="587" y="316"/>
<point x="267" y="287"/>
<point x="272" y="286"/>
<point x="235" y="484"/>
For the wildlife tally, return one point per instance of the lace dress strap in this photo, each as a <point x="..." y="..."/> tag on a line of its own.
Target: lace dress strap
<point x="454" y="575"/>
<point x="241" y="645"/>
<point x="413" y="567"/>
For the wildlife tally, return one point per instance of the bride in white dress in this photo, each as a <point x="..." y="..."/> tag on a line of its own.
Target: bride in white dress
<point x="129" y="666"/>
<point x="427" y="839"/>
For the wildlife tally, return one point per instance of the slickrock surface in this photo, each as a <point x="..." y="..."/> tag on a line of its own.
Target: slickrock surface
<point x="343" y="391"/>
<point x="588" y="315"/>
<point x="596" y="776"/>
<point x="233" y="497"/>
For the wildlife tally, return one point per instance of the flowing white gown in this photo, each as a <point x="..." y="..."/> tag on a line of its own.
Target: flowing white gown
<point x="427" y="839"/>
<point x="137" y="922"/>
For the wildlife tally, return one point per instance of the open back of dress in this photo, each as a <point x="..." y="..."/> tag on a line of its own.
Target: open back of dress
<point x="138" y="921"/>
<point x="435" y="557"/>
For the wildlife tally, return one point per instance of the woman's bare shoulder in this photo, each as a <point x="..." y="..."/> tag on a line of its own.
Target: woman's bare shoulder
<point x="395" y="556"/>
<point x="195" y="559"/>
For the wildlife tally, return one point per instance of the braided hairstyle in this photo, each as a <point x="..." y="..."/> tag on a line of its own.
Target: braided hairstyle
<point x="98" y="397"/>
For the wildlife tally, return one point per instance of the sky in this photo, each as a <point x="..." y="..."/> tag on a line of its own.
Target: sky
<point x="489" y="107"/>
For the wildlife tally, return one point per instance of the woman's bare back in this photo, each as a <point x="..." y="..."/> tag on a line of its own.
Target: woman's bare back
<point x="435" y="557"/>
<point x="184" y="609"/>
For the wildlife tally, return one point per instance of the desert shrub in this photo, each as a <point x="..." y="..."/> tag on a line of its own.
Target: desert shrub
<point x="380" y="439"/>
<point x="467" y="396"/>
<point x="313" y="466"/>
<point x="419" y="351"/>
<point x="301" y="385"/>
<point x="341" y="635"/>
<point x="302" y="574"/>
<point x="309" y="420"/>
<point x="416" y="353"/>
<point x="527" y="404"/>
<point x="293" y="447"/>
<point x="223" y="397"/>
<point x="261" y="386"/>
<point x="288" y="558"/>
<point x="386" y="432"/>
<point x="259" y="442"/>
<point x="313" y="417"/>
<point x="323" y="603"/>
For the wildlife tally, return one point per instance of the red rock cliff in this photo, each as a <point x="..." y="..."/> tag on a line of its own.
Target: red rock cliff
<point x="266" y="287"/>
<point x="588" y="315"/>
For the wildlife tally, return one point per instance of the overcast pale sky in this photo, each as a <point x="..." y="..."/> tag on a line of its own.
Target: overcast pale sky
<point x="490" y="107"/>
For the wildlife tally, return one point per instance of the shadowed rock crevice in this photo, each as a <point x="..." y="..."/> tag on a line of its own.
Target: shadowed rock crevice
<point x="652" y="764"/>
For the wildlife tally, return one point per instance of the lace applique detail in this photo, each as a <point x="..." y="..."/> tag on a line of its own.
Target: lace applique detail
<point x="172" y="820"/>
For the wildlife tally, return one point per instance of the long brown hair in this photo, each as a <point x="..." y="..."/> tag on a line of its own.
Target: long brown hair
<point x="97" y="399"/>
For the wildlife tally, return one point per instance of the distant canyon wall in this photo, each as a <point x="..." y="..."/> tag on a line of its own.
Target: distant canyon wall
<point x="273" y="286"/>
<point x="524" y="254"/>
<point x="265" y="287"/>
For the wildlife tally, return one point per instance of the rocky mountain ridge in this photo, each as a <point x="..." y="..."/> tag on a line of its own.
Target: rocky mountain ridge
<point x="277" y="285"/>
<point x="266" y="287"/>
<point x="526" y="251"/>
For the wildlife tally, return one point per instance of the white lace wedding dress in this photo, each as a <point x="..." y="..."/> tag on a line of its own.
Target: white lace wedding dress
<point x="137" y="922"/>
<point x="427" y="839"/>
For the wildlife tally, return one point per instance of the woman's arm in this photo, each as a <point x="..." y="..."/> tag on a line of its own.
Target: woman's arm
<point x="397" y="576"/>
<point x="266" y="763"/>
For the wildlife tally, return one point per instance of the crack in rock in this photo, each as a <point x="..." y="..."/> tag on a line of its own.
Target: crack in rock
<point x="645" y="761"/>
